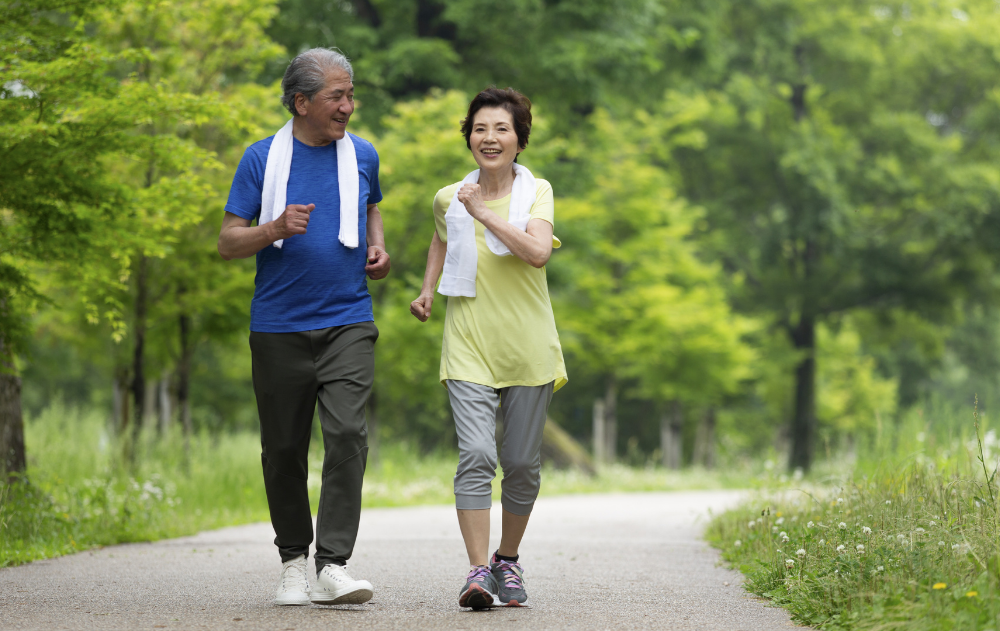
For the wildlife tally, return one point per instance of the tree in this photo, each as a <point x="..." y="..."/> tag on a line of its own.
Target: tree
<point x="823" y="171"/>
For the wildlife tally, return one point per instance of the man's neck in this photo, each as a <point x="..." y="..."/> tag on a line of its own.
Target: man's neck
<point x="306" y="135"/>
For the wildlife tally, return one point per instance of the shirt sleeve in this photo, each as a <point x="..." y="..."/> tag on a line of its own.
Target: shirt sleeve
<point x="441" y="202"/>
<point x="374" y="191"/>
<point x="544" y="206"/>
<point x="248" y="183"/>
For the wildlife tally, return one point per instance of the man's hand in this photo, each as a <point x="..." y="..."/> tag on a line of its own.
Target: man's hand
<point x="378" y="263"/>
<point x="421" y="307"/>
<point x="293" y="221"/>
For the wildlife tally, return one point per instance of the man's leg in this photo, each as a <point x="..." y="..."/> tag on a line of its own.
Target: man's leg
<point x="285" y="383"/>
<point x="346" y="370"/>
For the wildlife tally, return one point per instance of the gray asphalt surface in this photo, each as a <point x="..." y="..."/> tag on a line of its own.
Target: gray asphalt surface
<point x="628" y="561"/>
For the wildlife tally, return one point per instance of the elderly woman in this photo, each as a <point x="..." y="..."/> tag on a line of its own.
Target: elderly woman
<point x="500" y="350"/>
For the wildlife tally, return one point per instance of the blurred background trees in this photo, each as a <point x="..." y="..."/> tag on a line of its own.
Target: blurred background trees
<point x="779" y="218"/>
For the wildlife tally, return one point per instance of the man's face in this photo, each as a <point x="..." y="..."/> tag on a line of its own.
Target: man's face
<point x="330" y="109"/>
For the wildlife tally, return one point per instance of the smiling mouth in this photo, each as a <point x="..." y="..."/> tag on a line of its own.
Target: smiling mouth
<point x="342" y="121"/>
<point x="492" y="152"/>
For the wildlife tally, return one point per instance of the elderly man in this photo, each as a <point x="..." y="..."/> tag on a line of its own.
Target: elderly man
<point x="314" y="190"/>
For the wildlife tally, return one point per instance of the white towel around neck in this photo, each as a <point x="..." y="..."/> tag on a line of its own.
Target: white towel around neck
<point x="461" y="259"/>
<point x="279" y="163"/>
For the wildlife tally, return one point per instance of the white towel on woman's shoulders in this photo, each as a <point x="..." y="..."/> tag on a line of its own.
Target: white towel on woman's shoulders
<point x="461" y="259"/>
<point x="279" y="164"/>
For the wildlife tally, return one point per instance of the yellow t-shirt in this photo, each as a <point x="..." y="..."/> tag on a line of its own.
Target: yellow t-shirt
<point x="506" y="335"/>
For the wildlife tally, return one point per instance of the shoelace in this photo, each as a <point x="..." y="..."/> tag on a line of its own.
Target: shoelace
<point x="294" y="576"/>
<point x="511" y="574"/>
<point x="478" y="574"/>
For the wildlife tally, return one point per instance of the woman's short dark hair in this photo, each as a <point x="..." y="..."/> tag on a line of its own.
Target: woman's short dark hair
<point x="509" y="99"/>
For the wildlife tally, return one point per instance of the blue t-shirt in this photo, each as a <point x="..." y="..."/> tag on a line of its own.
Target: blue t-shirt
<point x="312" y="281"/>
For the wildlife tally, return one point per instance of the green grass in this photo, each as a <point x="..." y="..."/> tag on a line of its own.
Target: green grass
<point x="78" y="493"/>
<point x="914" y="546"/>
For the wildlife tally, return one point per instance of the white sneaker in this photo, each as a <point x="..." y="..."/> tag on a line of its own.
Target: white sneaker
<point x="293" y="586"/>
<point x="334" y="586"/>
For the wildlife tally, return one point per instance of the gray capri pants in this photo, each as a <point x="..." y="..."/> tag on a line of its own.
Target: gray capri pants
<point x="523" y="410"/>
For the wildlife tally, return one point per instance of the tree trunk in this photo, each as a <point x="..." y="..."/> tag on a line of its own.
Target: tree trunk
<point x="803" y="430"/>
<point x="149" y="403"/>
<point x="13" y="460"/>
<point x="138" y="374"/>
<point x="704" y="444"/>
<point x="671" y="440"/>
<point x="166" y="413"/>
<point x="611" y="420"/>
<point x="600" y="442"/>
<point x="183" y="384"/>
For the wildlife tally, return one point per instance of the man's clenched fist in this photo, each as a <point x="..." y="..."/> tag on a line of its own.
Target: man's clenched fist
<point x="293" y="221"/>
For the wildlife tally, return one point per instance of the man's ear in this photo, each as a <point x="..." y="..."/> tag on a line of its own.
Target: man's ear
<point x="300" y="103"/>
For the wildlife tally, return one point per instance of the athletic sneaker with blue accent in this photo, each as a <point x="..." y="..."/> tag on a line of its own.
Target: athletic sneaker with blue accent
<point x="510" y="582"/>
<point x="480" y="586"/>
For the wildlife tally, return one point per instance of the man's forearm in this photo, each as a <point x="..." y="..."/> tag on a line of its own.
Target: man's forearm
<point x="374" y="232"/>
<point x="240" y="242"/>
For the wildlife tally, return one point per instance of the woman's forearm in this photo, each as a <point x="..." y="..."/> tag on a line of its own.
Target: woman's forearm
<point x="533" y="246"/>
<point x="435" y="263"/>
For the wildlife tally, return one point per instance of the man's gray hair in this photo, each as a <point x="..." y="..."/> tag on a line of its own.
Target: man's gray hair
<point x="307" y="74"/>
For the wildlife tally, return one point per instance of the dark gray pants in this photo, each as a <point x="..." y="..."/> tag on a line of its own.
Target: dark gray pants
<point x="291" y="371"/>
<point x="523" y="410"/>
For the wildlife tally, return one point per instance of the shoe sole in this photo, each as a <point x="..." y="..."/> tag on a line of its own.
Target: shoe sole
<point x="355" y="597"/>
<point x="287" y="602"/>
<point x="476" y="597"/>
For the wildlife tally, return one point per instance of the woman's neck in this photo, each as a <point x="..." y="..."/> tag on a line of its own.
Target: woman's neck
<point x="496" y="184"/>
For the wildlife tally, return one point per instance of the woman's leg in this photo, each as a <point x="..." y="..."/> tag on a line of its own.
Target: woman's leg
<point x="474" y="408"/>
<point x="524" y="411"/>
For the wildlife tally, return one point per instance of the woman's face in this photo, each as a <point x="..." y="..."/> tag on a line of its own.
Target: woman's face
<point x="493" y="139"/>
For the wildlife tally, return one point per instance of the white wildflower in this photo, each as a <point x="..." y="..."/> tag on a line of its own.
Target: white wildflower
<point x="880" y="568"/>
<point x="784" y="538"/>
<point x="822" y="541"/>
<point x="955" y="546"/>
<point x="737" y="543"/>
<point x="866" y="530"/>
<point x="840" y="500"/>
<point x="779" y="520"/>
<point x="751" y="524"/>
<point x="887" y="502"/>
<point x="940" y="543"/>
<point x="861" y="548"/>
<point x="920" y="531"/>
<point x="789" y="563"/>
<point x="810" y="525"/>
<point x="841" y="548"/>
<point x="774" y="529"/>
<point x="931" y="523"/>
<point x="842" y="526"/>
<point x="801" y="552"/>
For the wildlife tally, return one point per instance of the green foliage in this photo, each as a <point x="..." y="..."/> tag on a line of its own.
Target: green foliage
<point x="914" y="546"/>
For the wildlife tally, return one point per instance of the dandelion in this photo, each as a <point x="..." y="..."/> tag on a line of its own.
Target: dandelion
<point x="737" y="543"/>
<point x="940" y="585"/>
<point x="861" y="548"/>
<point x="810" y="525"/>
<point x="751" y="524"/>
<point x="866" y="530"/>
<point x="971" y="594"/>
<point x="789" y="563"/>
<point x="842" y="526"/>
<point x="801" y="552"/>
<point x="840" y="500"/>
<point x="779" y="520"/>
<point x="841" y="548"/>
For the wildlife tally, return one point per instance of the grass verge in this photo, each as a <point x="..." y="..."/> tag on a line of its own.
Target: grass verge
<point x="915" y="547"/>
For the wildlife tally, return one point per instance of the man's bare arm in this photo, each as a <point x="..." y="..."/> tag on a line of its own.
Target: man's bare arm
<point x="378" y="259"/>
<point x="239" y="240"/>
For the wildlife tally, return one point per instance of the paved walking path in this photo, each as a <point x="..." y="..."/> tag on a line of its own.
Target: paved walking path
<point x="618" y="561"/>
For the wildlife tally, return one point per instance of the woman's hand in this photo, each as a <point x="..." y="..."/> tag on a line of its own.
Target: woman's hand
<point x="421" y="307"/>
<point x="472" y="196"/>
